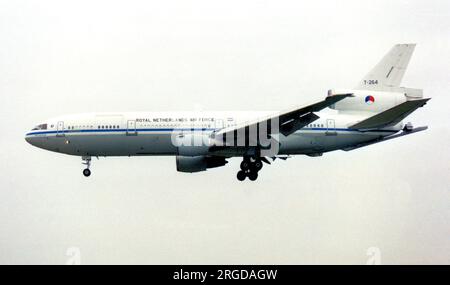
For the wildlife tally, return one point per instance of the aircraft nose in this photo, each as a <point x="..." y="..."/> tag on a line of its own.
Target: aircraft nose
<point x="29" y="139"/>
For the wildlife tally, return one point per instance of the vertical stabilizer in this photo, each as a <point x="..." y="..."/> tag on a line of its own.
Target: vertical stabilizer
<point x="388" y="73"/>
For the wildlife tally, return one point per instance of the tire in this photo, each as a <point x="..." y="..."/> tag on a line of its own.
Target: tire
<point x="258" y="165"/>
<point x="86" y="172"/>
<point x="241" y="175"/>
<point x="253" y="175"/>
<point x="245" y="165"/>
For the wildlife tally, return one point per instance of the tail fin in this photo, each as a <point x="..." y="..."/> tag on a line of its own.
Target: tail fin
<point x="388" y="73"/>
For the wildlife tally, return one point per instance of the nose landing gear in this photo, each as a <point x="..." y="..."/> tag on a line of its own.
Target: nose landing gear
<point x="249" y="169"/>
<point x="87" y="162"/>
<point x="86" y="172"/>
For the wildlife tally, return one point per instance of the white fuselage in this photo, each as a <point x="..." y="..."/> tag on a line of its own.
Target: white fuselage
<point x="150" y="133"/>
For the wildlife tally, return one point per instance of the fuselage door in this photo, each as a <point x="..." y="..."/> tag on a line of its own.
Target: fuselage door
<point x="131" y="128"/>
<point x="331" y="128"/>
<point x="218" y="124"/>
<point x="60" y="129"/>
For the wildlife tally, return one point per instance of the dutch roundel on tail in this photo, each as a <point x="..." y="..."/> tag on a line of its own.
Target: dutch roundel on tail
<point x="371" y="112"/>
<point x="370" y="99"/>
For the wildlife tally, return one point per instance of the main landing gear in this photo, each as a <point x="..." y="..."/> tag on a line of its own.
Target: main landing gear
<point x="87" y="162"/>
<point x="249" y="168"/>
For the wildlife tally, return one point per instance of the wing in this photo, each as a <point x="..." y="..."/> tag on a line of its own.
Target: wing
<point x="289" y="121"/>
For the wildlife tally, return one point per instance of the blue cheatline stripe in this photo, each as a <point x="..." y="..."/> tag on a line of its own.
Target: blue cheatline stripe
<point x="175" y="129"/>
<point x="347" y="130"/>
<point x="118" y="130"/>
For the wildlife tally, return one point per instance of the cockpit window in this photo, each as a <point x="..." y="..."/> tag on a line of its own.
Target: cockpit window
<point x="40" y="127"/>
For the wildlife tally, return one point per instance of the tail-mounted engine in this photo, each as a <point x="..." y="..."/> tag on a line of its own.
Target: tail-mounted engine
<point x="374" y="101"/>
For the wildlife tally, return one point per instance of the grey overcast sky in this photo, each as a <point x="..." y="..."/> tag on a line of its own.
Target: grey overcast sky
<point x="62" y="57"/>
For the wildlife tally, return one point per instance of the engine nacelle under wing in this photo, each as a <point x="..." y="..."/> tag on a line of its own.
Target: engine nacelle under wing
<point x="191" y="143"/>
<point x="198" y="163"/>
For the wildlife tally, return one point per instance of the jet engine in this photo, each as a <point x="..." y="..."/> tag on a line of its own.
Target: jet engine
<point x="198" y="163"/>
<point x="191" y="144"/>
<point x="369" y="101"/>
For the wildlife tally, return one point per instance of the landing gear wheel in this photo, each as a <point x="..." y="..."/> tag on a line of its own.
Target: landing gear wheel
<point x="252" y="175"/>
<point x="86" y="172"/>
<point x="258" y="165"/>
<point x="245" y="165"/>
<point x="241" y="175"/>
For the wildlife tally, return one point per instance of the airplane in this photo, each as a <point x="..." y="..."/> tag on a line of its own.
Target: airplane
<point x="348" y="119"/>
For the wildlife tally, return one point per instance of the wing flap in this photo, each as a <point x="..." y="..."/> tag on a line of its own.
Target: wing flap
<point x="293" y="125"/>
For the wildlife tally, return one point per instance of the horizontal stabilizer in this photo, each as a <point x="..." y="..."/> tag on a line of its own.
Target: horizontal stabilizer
<point x="383" y="139"/>
<point x="391" y="116"/>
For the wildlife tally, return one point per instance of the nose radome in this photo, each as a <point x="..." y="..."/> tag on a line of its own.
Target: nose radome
<point x="29" y="139"/>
